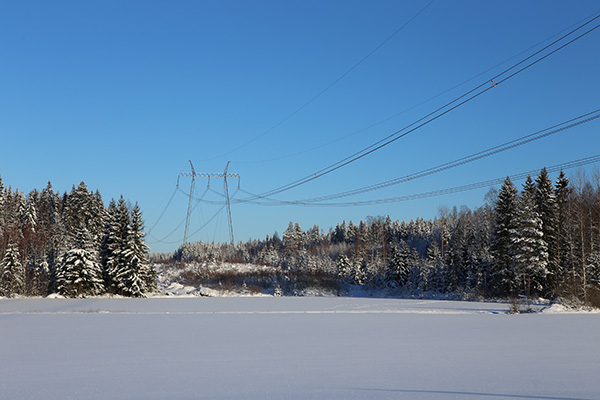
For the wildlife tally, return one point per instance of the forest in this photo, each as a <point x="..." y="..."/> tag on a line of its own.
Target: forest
<point x="540" y="241"/>
<point x="71" y="244"/>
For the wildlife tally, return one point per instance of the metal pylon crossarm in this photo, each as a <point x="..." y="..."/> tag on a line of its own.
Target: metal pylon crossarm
<point x="193" y="174"/>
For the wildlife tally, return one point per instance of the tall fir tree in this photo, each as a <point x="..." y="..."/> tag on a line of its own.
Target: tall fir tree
<point x="564" y="254"/>
<point x="531" y="250"/>
<point x="136" y="277"/>
<point x="109" y="248"/>
<point x="503" y="246"/>
<point x="396" y="272"/>
<point x="547" y="209"/>
<point x="12" y="272"/>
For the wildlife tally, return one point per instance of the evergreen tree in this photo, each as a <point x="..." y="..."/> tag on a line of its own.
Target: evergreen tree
<point x="116" y="260"/>
<point x="109" y="249"/>
<point x="40" y="273"/>
<point x="344" y="268"/>
<point x="361" y="271"/>
<point x="396" y="272"/>
<point x="547" y="209"/>
<point x="437" y="280"/>
<point x="503" y="245"/>
<point x="531" y="251"/>
<point x="564" y="260"/>
<point x="79" y="275"/>
<point x="12" y="278"/>
<point x="136" y="277"/>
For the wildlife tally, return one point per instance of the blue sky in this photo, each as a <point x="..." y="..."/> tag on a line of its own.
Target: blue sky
<point x="121" y="94"/>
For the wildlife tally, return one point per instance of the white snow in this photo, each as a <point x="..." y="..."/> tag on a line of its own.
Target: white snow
<point x="293" y="348"/>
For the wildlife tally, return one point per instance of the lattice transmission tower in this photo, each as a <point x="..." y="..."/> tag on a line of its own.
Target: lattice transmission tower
<point x="208" y="175"/>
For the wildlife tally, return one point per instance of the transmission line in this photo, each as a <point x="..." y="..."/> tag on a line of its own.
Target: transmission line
<point x="416" y="105"/>
<point x="315" y="97"/>
<point x="445" y="109"/>
<point x="582" y="119"/>
<point x="478" y="185"/>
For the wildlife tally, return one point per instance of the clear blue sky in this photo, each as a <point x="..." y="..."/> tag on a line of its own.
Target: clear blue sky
<point x="121" y="94"/>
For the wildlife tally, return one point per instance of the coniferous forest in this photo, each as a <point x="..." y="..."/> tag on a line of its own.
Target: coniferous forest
<point x="71" y="244"/>
<point x="539" y="240"/>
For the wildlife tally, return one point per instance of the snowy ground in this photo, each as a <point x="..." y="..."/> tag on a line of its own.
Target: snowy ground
<point x="293" y="348"/>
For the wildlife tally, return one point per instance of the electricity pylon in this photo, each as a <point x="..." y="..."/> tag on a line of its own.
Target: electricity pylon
<point x="208" y="175"/>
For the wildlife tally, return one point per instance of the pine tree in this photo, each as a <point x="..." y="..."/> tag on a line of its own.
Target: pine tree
<point x="531" y="251"/>
<point x="12" y="278"/>
<point x="79" y="275"/>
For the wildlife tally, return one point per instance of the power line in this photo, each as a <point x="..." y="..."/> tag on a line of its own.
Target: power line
<point x="582" y="119"/>
<point x="315" y="97"/>
<point x="472" y="186"/>
<point x="445" y="109"/>
<point x="317" y="201"/>
<point x="198" y="201"/>
<point x="416" y="105"/>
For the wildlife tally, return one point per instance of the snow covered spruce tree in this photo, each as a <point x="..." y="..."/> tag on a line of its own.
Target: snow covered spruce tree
<point x="564" y="253"/>
<point x="78" y="272"/>
<point x="124" y="255"/>
<point x="344" y="268"/>
<point x="530" y="249"/>
<point x="397" y="269"/>
<point x="79" y="275"/>
<point x="547" y="209"/>
<point x="12" y="272"/>
<point x="137" y="277"/>
<point x="503" y="244"/>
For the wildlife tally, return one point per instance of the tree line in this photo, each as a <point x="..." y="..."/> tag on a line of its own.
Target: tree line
<point x="71" y="244"/>
<point x="543" y="240"/>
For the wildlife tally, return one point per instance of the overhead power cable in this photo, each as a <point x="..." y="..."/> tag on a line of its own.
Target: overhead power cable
<point x="562" y="127"/>
<point x="441" y="111"/>
<point x="582" y="119"/>
<point x="375" y="124"/>
<point x="472" y="186"/>
<point x="163" y="211"/>
<point x="315" y="97"/>
<point x="198" y="201"/>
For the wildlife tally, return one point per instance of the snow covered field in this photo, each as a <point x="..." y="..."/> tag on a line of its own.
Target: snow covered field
<point x="293" y="348"/>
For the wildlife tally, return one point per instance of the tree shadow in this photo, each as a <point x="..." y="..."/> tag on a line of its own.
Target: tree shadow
<point x="479" y="394"/>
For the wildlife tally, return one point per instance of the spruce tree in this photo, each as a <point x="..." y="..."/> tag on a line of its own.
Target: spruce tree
<point x="116" y="264"/>
<point x="108" y="248"/>
<point x="12" y="273"/>
<point x="562" y="192"/>
<point x="503" y="246"/>
<point x="136" y="277"/>
<point x="361" y="271"/>
<point x="396" y="272"/>
<point x="344" y="268"/>
<point x="547" y="208"/>
<point x="531" y="251"/>
<point x="79" y="275"/>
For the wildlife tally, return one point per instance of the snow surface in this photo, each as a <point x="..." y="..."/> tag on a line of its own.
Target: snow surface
<point x="293" y="348"/>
